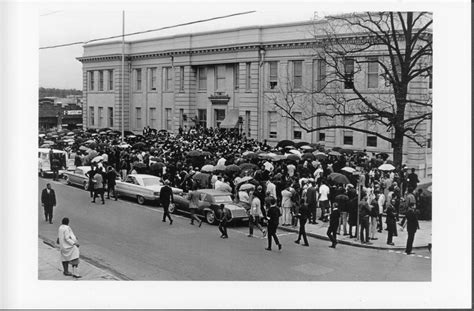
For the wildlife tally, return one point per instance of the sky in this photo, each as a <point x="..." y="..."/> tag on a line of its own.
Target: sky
<point x="63" y="23"/>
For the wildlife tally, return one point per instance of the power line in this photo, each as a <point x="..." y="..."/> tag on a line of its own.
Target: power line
<point x="145" y="31"/>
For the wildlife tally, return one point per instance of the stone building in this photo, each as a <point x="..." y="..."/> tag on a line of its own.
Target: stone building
<point x="226" y="78"/>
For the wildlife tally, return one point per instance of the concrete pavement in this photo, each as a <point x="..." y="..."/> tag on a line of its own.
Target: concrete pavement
<point x="50" y="267"/>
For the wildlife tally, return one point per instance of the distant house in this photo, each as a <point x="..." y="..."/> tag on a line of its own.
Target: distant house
<point x="57" y="115"/>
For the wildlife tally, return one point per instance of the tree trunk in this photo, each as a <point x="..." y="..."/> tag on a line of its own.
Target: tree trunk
<point x="398" y="147"/>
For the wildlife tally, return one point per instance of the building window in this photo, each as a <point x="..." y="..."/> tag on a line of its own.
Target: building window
<point x="168" y="119"/>
<point x="272" y="124"/>
<point x="110" y="116"/>
<point x="430" y="78"/>
<point x="348" y="138"/>
<point x="138" y="116"/>
<point x="202" y="118"/>
<point x="319" y="74"/>
<point x="181" y="79"/>
<point x="168" y="78"/>
<point x="181" y="117"/>
<point x="372" y="73"/>
<point x="273" y="75"/>
<point x="371" y="141"/>
<point x="321" y="122"/>
<point x="111" y="80"/>
<point x="202" y="78"/>
<point x="153" y="118"/>
<point x="236" y="76"/>
<point x="348" y="73"/>
<point x="219" y="117"/>
<point x="298" y="74"/>
<point x="91" y="116"/>
<point x="138" y="79"/>
<point x="101" y="80"/>
<point x="296" y="128"/>
<point x="247" y="76"/>
<point x="220" y="78"/>
<point x="247" y="123"/>
<point x="153" y="79"/>
<point x="322" y="136"/>
<point x="100" y="113"/>
<point x="91" y="80"/>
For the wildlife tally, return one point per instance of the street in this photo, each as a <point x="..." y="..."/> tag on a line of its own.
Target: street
<point x="130" y="240"/>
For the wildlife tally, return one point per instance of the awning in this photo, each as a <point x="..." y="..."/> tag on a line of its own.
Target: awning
<point x="231" y="119"/>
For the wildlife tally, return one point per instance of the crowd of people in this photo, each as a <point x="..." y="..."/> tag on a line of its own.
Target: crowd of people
<point x="298" y="186"/>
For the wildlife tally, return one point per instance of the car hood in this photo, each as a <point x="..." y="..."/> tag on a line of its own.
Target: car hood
<point x="157" y="188"/>
<point x="233" y="207"/>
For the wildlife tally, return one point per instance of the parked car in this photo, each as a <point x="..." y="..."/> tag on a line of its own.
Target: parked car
<point x="142" y="187"/>
<point x="78" y="177"/>
<point x="44" y="164"/>
<point x="209" y="201"/>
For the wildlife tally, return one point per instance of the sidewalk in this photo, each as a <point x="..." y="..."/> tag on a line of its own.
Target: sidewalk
<point x="50" y="267"/>
<point x="422" y="236"/>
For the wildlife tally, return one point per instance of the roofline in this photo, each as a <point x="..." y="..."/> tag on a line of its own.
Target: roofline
<point x="301" y="23"/>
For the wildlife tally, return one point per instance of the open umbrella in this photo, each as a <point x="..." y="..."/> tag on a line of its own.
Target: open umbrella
<point x="206" y="153"/>
<point x="301" y="144"/>
<point x="346" y="151"/>
<point x="334" y="153"/>
<point x="338" y="178"/>
<point x="208" y="168"/>
<point x="245" y="179"/>
<point x="336" y="148"/>
<point x="124" y="146"/>
<point x="194" y="153"/>
<point x="246" y="187"/>
<point x="139" y="145"/>
<point x="284" y="143"/>
<point x="49" y="142"/>
<point x="232" y="168"/>
<point x="97" y="159"/>
<point x="248" y="166"/>
<point x="348" y="169"/>
<point x="294" y="151"/>
<point x="308" y="156"/>
<point x="45" y="146"/>
<point x="293" y="157"/>
<point x="383" y="155"/>
<point x="219" y="168"/>
<point x="93" y="145"/>
<point x="306" y="148"/>
<point x="386" y="167"/>
<point x="83" y="148"/>
<point x="250" y="155"/>
<point x="278" y="157"/>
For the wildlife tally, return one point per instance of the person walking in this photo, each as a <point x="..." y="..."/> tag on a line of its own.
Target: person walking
<point x="166" y="198"/>
<point x="69" y="248"/>
<point x="391" y="224"/>
<point x="98" y="186"/>
<point x="303" y="215"/>
<point x="48" y="199"/>
<point x="412" y="225"/>
<point x="223" y="216"/>
<point x="323" y="200"/>
<point x="194" y="205"/>
<point x="352" y="208"/>
<point x="90" y="176"/>
<point x="111" y="182"/>
<point x="381" y="208"/>
<point x="312" y="201"/>
<point x="364" y="211"/>
<point x="274" y="216"/>
<point x="333" y="225"/>
<point x="342" y="201"/>
<point x="255" y="214"/>
<point x="286" y="205"/>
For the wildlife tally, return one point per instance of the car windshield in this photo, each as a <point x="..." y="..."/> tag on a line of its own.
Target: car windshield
<point x="222" y="198"/>
<point x="150" y="181"/>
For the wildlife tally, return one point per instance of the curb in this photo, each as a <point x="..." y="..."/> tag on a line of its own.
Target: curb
<point x="92" y="262"/>
<point x="356" y="244"/>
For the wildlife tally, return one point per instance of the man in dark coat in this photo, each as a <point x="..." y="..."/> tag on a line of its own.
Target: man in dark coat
<point x="48" y="199"/>
<point x="111" y="177"/>
<point x="391" y="224"/>
<point x="412" y="226"/>
<point x="223" y="216"/>
<point x="303" y="215"/>
<point x="333" y="225"/>
<point x="273" y="214"/>
<point x="312" y="200"/>
<point x="166" y="197"/>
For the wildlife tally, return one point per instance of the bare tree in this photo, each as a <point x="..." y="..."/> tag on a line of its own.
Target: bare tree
<point x="393" y="51"/>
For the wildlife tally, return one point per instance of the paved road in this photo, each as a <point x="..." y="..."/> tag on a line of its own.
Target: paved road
<point x="131" y="240"/>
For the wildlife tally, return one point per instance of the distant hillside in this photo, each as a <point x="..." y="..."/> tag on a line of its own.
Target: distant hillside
<point x="47" y="92"/>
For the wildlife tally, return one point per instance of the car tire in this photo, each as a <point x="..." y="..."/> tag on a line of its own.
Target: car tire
<point x="140" y="200"/>
<point x="86" y="185"/>
<point x="66" y="178"/>
<point x="210" y="217"/>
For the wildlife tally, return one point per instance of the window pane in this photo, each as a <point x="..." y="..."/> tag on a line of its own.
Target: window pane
<point x="111" y="80"/>
<point x="298" y="74"/>
<point x="202" y="77"/>
<point x="348" y="138"/>
<point x="247" y="76"/>
<point x="273" y="75"/>
<point x="371" y="141"/>
<point x="348" y="73"/>
<point x="372" y="73"/>
<point x="138" y="79"/>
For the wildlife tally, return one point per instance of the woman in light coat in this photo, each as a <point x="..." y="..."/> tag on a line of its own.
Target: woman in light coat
<point x="286" y="206"/>
<point x="69" y="248"/>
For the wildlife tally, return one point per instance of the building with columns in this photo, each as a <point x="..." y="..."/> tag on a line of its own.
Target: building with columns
<point x="226" y="78"/>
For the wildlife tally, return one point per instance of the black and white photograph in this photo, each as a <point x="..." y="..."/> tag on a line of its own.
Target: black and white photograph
<point x="239" y="154"/>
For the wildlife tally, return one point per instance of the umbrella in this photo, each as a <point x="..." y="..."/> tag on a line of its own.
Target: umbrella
<point x="83" y="148"/>
<point x="194" y="153"/>
<point x="206" y="153"/>
<point x="346" y="151"/>
<point x="158" y="167"/>
<point x="278" y="157"/>
<point x="232" y="168"/>
<point x="246" y="187"/>
<point x="123" y="146"/>
<point x="207" y="168"/>
<point x="348" y="169"/>
<point x="338" y="178"/>
<point x="293" y="157"/>
<point x="139" y="165"/>
<point x="89" y="141"/>
<point x="294" y="151"/>
<point x="264" y="156"/>
<point x="307" y="148"/>
<point x="139" y="145"/>
<point x="97" y="159"/>
<point x="284" y="143"/>
<point x="250" y="155"/>
<point x="70" y="133"/>
<point x="386" y="167"/>
<point x="42" y="135"/>
<point x="383" y="155"/>
<point x="219" y="168"/>
<point x="335" y="153"/>
<point x="45" y="146"/>
<point x="389" y="162"/>
<point x="248" y="166"/>
<point x="308" y="156"/>
<point x="93" y="145"/>
<point x="336" y="148"/>
<point x="49" y="142"/>
<point x="245" y="179"/>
